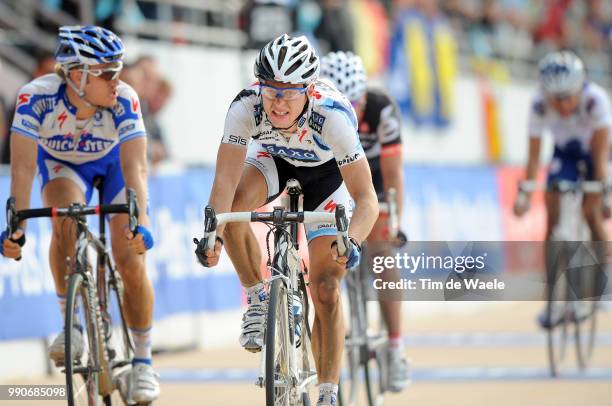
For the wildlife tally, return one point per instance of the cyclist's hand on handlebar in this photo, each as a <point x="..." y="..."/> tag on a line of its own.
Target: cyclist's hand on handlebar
<point x="352" y="256"/>
<point x="206" y="257"/>
<point x="11" y="247"/>
<point x="141" y="242"/>
<point x="521" y="206"/>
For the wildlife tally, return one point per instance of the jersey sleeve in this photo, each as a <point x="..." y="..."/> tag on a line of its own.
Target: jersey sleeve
<point x="239" y="126"/>
<point x="389" y="130"/>
<point x="341" y="135"/>
<point x="536" y="123"/>
<point x="598" y="108"/>
<point x="29" y="112"/>
<point x="127" y="115"/>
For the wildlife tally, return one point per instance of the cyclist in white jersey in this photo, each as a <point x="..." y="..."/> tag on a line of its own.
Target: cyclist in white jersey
<point x="380" y="135"/>
<point x="72" y="126"/>
<point x="577" y="113"/>
<point x="290" y="125"/>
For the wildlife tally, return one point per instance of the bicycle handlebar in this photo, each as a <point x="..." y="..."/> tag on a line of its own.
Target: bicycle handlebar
<point x="278" y="216"/>
<point x="14" y="216"/>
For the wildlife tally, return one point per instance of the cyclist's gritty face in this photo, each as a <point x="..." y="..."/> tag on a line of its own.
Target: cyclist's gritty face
<point x="564" y="105"/>
<point x="282" y="113"/>
<point x="99" y="90"/>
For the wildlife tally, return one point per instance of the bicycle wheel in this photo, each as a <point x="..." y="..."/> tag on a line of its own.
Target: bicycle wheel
<point x="308" y="371"/>
<point x="585" y="305"/>
<point x="82" y="372"/>
<point x="558" y="311"/>
<point x="375" y="368"/>
<point x="351" y="381"/>
<point x="278" y="377"/>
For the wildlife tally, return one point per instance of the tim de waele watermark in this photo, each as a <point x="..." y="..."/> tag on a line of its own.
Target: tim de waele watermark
<point x="449" y="263"/>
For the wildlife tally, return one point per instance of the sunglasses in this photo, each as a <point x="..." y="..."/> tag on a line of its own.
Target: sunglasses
<point x="106" y="74"/>
<point x="285" y="93"/>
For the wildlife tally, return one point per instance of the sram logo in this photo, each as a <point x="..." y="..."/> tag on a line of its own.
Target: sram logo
<point x="291" y="153"/>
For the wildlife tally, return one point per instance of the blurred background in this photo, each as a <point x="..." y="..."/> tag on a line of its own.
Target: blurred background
<point x="462" y="72"/>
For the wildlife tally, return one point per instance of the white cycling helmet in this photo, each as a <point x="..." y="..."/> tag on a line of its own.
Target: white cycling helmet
<point x="289" y="60"/>
<point x="347" y="73"/>
<point x="561" y="73"/>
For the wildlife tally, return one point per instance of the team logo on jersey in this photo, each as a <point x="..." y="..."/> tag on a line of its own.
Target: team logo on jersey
<point x="87" y="143"/>
<point x="316" y="121"/>
<point x="135" y="105"/>
<point x="303" y="134"/>
<point x="62" y="118"/>
<point x="330" y="206"/>
<point x="302" y="121"/>
<point x="349" y="159"/>
<point x="23" y="99"/>
<point x="263" y="154"/>
<point x="29" y="125"/>
<point x="292" y="153"/>
<point x="258" y="112"/>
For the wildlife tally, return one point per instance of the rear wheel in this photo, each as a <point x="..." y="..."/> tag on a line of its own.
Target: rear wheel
<point x="557" y="306"/>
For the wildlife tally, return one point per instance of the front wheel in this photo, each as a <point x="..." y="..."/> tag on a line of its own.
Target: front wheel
<point x="82" y="366"/>
<point x="277" y="344"/>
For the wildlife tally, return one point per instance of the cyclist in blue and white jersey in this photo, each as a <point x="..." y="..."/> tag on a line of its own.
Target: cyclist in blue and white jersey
<point x="380" y="135"/>
<point x="71" y="126"/>
<point x="290" y="125"/>
<point x="577" y="113"/>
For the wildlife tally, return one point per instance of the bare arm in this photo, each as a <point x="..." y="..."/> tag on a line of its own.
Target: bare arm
<point x="134" y="166"/>
<point x="358" y="179"/>
<point x="24" y="152"/>
<point x="533" y="160"/>
<point x="393" y="177"/>
<point x="601" y="151"/>
<point x="230" y="161"/>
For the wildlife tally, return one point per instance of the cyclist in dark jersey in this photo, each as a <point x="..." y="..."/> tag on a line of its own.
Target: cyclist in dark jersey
<point x="380" y="135"/>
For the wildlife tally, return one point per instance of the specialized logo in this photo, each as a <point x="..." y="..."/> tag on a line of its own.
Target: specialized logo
<point x="316" y="121"/>
<point x="23" y="98"/>
<point x="62" y="118"/>
<point x="135" y="105"/>
<point x="330" y="206"/>
<point x="292" y="153"/>
<point x="304" y="132"/>
<point x="263" y="154"/>
<point x="57" y="168"/>
<point x="87" y="143"/>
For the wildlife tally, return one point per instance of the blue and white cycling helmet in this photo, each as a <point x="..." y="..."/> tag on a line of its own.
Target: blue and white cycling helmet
<point x="87" y="45"/>
<point x="347" y="73"/>
<point x="561" y="73"/>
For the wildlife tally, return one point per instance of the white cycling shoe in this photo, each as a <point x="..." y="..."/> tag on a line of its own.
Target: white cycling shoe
<point x="253" y="326"/>
<point x="56" y="350"/>
<point x="139" y="385"/>
<point x="399" y="371"/>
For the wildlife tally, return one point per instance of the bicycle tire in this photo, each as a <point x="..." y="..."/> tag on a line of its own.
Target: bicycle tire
<point x="557" y="301"/>
<point x="277" y="345"/>
<point x="585" y="330"/>
<point x="305" y="357"/>
<point x="79" y="376"/>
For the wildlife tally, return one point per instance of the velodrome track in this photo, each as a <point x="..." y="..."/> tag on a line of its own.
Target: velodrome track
<point x="462" y="354"/>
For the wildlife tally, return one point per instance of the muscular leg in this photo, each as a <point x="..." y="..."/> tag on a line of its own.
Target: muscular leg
<point x="328" y="328"/>
<point x="61" y="192"/>
<point x="592" y="211"/>
<point x="240" y="242"/>
<point x="138" y="296"/>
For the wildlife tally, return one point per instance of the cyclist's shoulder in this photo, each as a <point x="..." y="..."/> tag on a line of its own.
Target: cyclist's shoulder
<point x="249" y="96"/>
<point x="539" y="106"/>
<point x="328" y="104"/>
<point x="378" y="96"/>
<point x="594" y="97"/>
<point x="126" y="91"/>
<point x="46" y="85"/>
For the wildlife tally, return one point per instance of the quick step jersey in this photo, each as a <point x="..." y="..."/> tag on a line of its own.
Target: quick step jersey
<point x="44" y="114"/>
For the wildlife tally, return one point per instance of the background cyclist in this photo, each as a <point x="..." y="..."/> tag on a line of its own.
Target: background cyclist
<point x="577" y="113"/>
<point x="71" y="126"/>
<point x="380" y="135"/>
<point x="290" y="125"/>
